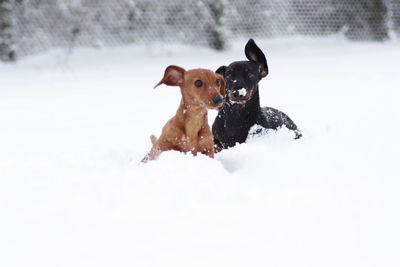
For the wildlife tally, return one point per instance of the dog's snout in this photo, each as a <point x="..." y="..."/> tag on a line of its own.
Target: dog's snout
<point x="217" y="100"/>
<point x="239" y="94"/>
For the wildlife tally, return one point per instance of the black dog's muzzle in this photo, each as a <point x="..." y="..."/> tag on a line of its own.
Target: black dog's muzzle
<point x="239" y="96"/>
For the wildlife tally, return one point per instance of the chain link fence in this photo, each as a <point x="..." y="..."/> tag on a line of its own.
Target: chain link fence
<point x="31" y="26"/>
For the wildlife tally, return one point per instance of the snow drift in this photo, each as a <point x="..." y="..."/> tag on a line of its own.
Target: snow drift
<point x="74" y="127"/>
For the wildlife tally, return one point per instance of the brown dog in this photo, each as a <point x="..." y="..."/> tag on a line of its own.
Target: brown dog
<point x="188" y="130"/>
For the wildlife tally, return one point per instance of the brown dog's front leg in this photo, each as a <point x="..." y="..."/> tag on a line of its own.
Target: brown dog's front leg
<point x="206" y="143"/>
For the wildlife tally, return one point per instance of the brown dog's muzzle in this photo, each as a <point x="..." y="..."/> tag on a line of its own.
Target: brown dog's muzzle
<point x="217" y="100"/>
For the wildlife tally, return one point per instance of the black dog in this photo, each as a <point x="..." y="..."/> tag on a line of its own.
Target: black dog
<point x="242" y="108"/>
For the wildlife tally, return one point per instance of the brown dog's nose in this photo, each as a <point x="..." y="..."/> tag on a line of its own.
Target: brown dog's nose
<point x="217" y="100"/>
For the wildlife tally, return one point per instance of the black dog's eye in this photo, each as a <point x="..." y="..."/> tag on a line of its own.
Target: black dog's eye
<point x="218" y="82"/>
<point x="198" y="83"/>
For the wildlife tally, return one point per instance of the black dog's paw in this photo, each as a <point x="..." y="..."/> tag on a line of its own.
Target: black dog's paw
<point x="298" y="134"/>
<point x="272" y="118"/>
<point x="257" y="130"/>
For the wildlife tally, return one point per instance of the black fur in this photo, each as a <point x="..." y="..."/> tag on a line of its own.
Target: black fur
<point x="242" y="109"/>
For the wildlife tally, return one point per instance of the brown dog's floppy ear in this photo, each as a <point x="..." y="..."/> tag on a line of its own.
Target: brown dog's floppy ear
<point x="222" y="89"/>
<point x="254" y="53"/>
<point x="221" y="70"/>
<point x="173" y="76"/>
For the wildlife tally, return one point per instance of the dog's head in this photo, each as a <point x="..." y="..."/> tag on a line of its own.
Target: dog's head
<point x="242" y="77"/>
<point x="198" y="86"/>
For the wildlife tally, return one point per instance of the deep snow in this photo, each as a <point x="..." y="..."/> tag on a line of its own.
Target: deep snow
<point x="74" y="127"/>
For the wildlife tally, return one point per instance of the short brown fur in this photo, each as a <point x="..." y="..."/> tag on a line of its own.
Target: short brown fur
<point x="188" y="130"/>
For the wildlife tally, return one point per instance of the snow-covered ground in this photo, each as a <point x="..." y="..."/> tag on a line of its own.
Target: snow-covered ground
<point x="73" y="129"/>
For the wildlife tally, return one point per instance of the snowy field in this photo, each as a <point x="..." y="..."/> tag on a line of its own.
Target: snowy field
<point x="74" y="127"/>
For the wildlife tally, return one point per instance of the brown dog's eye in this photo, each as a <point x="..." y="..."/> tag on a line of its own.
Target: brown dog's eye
<point x="218" y="82"/>
<point x="198" y="83"/>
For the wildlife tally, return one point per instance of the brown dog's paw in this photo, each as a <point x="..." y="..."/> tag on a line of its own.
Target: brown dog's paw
<point x="217" y="148"/>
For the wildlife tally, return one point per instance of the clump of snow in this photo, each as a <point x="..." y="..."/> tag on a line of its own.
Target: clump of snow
<point x="242" y="92"/>
<point x="73" y="131"/>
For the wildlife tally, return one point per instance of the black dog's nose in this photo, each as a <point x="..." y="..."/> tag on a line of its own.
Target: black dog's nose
<point x="236" y="94"/>
<point x="217" y="100"/>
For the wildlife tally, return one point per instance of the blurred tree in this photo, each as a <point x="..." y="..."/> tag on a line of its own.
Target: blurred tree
<point x="362" y="19"/>
<point x="217" y="38"/>
<point x="7" y="49"/>
<point x="197" y="22"/>
<point x="250" y="18"/>
<point x="395" y="15"/>
<point x="367" y="19"/>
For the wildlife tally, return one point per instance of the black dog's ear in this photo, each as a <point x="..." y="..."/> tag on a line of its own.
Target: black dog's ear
<point x="221" y="70"/>
<point x="254" y="53"/>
